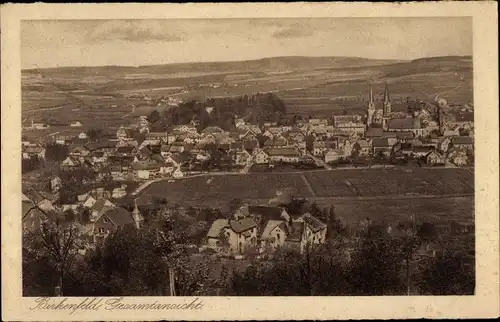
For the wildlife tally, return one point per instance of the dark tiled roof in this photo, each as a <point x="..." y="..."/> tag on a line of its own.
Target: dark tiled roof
<point x="119" y="216"/>
<point x="290" y="152"/>
<point x="36" y="196"/>
<point x="125" y="149"/>
<point x="145" y="165"/>
<point x="27" y="206"/>
<point x="242" y="225"/>
<point x="465" y="117"/>
<point x="403" y="124"/>
<point x="404" y="135"/>
<point x="422" y="149"/>
<point x="314" y="223"/>
<point x="381" y="143"/>
<point x="462" y="140"/>
<point x="374" y="132"/>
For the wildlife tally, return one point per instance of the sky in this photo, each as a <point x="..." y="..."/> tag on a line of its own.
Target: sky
<point x="56" y="43"/>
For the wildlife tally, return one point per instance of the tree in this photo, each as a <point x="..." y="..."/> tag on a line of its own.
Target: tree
<point x="28" y="165"/>
<point x="427" y="232"/>
<point x="234" y="205"/>
<point x="223" y="240"/>
<point x="127" y="263"/>
<point x="38" y="268"/>
<point x="94" y="134"/>
<point x="154" y="116"/>
<point x="56" y="152"/>
<point x="451" y="272"/>
<point x="296" y="206"/>
<point x="262" y="139"/>
<point x="376" y="265"/>
<point x="310" y="142"/>
<point x="59" y="238"/>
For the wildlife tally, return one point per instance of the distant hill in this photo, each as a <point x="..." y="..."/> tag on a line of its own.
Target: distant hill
<point x="266" y="64"/>
<point x="429" y="65"/>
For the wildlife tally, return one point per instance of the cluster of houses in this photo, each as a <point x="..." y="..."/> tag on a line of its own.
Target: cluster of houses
<point x="264" y="228"/>
<point x="439" y="138"/>
<point x="427" y="132"/>
<point x="96" y="216"/>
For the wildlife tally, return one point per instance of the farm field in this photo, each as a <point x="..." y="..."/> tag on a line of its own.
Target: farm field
<point x="338" y="184"/>
<point x="393" y="181"/>
<point x="393" y="210"/>
<point x="221" y="188"/>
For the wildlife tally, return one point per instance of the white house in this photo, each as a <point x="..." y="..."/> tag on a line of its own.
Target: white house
<point x="333" y="155"/>
<point x="76" y="124"/>
<point x="82" y="136"/>
<point x="178" y="173"/>
<point x="290" y="155"/>
<point x="319" y="148"/>
<point x="261" y="157"/>
<point x="86" y="200"/>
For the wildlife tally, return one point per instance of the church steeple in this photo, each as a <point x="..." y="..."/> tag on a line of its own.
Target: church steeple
<point x="136" y="215"/>
<point x="371" y="107"/>
<point x="371" y="101"/>
<point x="387" y="100"/>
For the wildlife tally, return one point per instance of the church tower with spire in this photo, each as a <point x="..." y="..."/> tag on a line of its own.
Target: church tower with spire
<point x="136" y="215"/>
<point x="371" y="107"/>
<point x="387" y="101"/>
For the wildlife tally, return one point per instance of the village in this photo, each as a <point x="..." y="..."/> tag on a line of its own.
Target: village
<point x="429" y="134"/>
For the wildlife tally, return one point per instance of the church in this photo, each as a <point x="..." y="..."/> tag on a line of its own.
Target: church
<point x="379" y="117"/>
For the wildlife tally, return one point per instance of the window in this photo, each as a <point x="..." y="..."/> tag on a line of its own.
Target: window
<point x="101" y="230"/>
<point x="105" y="220"/>
<point x="278" y="236"/>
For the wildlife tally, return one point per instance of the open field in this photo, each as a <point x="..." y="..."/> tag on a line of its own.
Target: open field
<point x="222" y="188"/>
<point x="354" y="186"/>
<point x="392" y="181"/>
<point x="393" y="210"/>
<point x="428" y="194"/>
<point x="308" y="85"/>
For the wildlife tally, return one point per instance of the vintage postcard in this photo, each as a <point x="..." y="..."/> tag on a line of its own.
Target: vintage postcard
<point x="250" y="161"/>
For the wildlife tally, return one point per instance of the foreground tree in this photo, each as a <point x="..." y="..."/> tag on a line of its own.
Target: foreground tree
<point x="450" y="272"/>
<point x="376" y="265"/>
<point x="59" y="237"/>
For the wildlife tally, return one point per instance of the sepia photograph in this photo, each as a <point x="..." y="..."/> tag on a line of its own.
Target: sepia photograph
<point x="188" y="158"/>
<point x="230" y="157"/>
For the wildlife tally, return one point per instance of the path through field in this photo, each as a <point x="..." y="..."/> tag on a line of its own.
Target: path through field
<point x="308" y="185"/>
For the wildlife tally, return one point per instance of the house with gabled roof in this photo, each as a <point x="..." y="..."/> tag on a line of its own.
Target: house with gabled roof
<point x="333" y="155"/>
<point x="114" y="218"/>
<point x="289" y="155"/>
<point x="33" y="150"/>
<point x="146" y="169"/>
<point x="86" y="200"/>
<point x="434" y="158"/>
<point x="41" y="201"/>
<point x="217" y="228"/>
<point x="32" y="216"/>
<point x="362" y="147"/>
<point x="463" y="142"/>
<point x="97" y="209"/>
<point x="241" y="157"/>
<point x="261" y="157"/>
<point x="319" y="148"/>
<point x="381" y="146"/>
